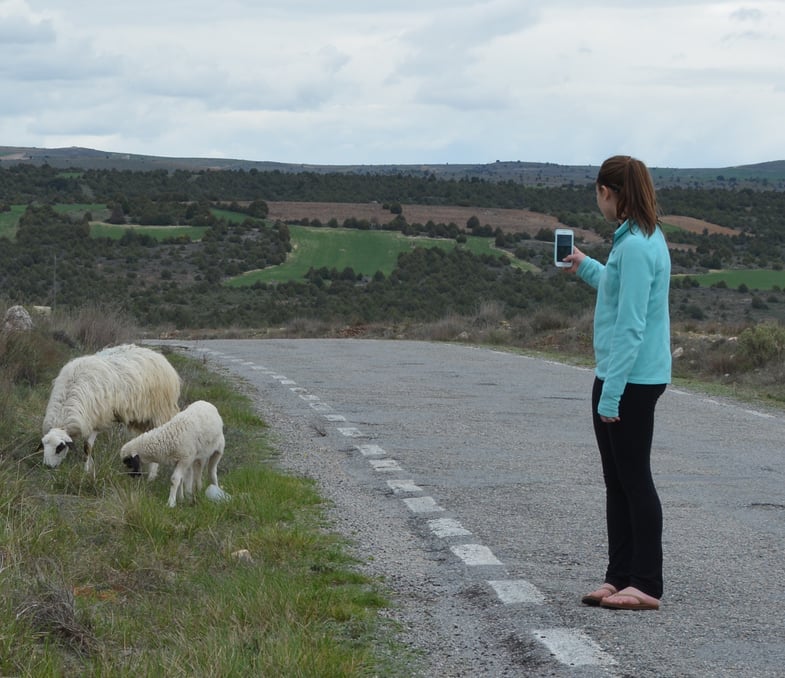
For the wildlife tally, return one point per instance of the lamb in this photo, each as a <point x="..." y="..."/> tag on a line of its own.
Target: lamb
<point x="128" y="384"/>
<point x="187" y="441"/>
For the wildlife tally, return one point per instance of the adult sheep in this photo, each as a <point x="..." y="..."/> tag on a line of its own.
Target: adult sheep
<point x="186" y="441"/>
<point x="128" y="384"/>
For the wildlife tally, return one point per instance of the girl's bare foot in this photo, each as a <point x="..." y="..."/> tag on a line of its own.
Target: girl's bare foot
<point x="630" y="599"/>
<point x="596" y="597"/>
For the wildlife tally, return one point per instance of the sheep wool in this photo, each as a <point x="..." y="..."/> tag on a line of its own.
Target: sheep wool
<point x="127" y="384"/>
<point x="187" y="441"/>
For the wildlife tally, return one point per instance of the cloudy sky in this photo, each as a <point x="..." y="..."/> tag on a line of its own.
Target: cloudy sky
<point x="677" y="83"/>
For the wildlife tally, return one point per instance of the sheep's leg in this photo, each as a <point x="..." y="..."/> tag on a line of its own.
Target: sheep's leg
<point x="212" y="467"/>
<point x="194" y="470"/>
<point x="177" y="478"/>
<point x="89" y="466"/>
<point x="152" y="471"/>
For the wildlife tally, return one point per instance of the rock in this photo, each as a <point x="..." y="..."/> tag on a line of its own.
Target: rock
<point x="17" y="319"/>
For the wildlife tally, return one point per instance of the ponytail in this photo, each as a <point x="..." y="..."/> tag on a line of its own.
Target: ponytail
<point x="630" y="180"/>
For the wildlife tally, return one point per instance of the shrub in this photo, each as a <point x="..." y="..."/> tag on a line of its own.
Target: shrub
<point x="762" y="344"/>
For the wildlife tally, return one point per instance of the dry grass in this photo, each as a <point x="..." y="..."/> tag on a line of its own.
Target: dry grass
<point x="509" y="220"/>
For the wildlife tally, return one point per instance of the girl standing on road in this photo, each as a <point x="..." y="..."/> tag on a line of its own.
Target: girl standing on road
<point x="633" y="365"/>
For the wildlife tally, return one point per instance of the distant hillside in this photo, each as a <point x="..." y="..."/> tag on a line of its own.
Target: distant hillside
<point x="770" y="175"/>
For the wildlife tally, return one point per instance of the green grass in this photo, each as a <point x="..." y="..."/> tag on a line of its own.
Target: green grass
<point x="753" y="278"/>
<point x="115" y="232"/>
<point x="100" y="577"/>
<point x="97" y="210"/>
<point x="365" y="252"/>
<point x="10" y="220"/>
<point x="233" y="217"/>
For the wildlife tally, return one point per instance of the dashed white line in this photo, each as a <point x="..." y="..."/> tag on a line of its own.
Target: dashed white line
<point x="371" y="450"/>
<point x="385" y="465"/>
<point x="447" y="527"/>
<point x="422" y="504"/>
<point x="475" y="554"/>
<point x="403" y="486"/>
<point x="510" y="591"/>
<point x="569" y="646"/>
<point x="573" y="647"/>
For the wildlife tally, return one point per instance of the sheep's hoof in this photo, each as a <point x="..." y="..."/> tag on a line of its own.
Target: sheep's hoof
<point x="215" y="493"/>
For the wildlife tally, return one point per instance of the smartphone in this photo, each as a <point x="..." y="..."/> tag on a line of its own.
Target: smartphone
<point x="562" y="246"/>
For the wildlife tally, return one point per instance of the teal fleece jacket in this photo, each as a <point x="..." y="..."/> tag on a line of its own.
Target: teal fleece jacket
<point x="631" y="317"/>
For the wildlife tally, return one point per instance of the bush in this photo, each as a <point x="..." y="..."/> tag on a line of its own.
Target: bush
<point x="762" y="344"/>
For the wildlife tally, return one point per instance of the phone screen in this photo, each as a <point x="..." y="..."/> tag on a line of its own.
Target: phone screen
<point x="563" y="245"/>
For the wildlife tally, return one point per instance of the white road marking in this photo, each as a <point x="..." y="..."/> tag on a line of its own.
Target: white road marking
<point x="475" y="554"/>
<point x="422" y="505"/>
<point x="569" y="646"/>
<point x="511" y="591"/>
<point x="403" y="486"/>
<point x="385" y="465"/>
<point x="371" y="450"/>
<point x="755" y="413"/>
<point x="573" y="647"/>
<point x="447" y="527"/>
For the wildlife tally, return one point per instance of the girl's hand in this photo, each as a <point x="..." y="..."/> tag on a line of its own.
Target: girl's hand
<point x="575" y="260"/>
<point x="610" y="420"/>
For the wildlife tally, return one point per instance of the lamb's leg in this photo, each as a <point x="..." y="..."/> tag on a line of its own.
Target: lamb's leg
<point x="194" y="470"/>
<point x="152" y="471"/>
<point x="212" y="467"/>
<point x="89" y="465"/>
<point x="177" y="478"/>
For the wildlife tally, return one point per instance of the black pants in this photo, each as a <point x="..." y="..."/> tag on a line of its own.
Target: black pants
<point x="633" y="509"/>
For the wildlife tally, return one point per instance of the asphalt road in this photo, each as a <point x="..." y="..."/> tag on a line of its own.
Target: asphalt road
<point x="470" y="481"/>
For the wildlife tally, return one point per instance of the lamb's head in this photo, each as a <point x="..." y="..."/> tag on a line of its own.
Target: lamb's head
<point x="55" y="445"/>
<point x="132" y="461"/>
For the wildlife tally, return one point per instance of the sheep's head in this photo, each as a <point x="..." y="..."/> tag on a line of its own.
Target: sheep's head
<point x="133" y="463"/>
<point x="55" y="445"/>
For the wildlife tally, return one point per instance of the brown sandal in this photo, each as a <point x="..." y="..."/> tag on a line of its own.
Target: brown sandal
<point x="596" y="597"/>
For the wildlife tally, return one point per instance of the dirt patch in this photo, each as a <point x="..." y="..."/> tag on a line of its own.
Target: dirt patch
<point x="697" y="225"/>
<point x="509" y="220"/>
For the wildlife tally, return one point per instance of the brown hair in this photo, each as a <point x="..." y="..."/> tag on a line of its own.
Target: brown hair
<point x="630" y="180"/>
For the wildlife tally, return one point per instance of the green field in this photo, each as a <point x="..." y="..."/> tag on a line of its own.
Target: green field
<point x="753" y="278"/>
<point x="102" y="230"/>
<point x="97" y="210"/>
<point x="9" y="221"/>
<point x="365" y="252"/>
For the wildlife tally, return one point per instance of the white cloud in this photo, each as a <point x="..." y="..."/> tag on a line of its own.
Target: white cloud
<point x="675" y="82"/>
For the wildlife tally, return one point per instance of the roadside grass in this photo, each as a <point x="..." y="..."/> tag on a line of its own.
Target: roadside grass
<point x="100" y="577"/>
